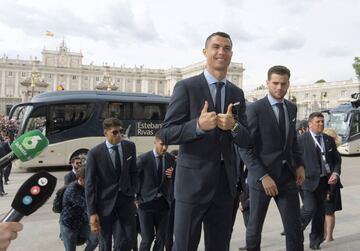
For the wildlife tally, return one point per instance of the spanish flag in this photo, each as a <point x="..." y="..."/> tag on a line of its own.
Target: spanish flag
<point x="49" y="33"/>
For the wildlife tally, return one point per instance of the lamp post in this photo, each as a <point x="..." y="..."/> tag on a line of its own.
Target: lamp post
<point x="35" y="75"/>
<point x="106" y="82"/>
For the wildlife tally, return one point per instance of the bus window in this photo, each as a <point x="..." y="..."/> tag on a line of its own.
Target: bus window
<point x="37" y="120"/>
<point x="135" y="111"/>
<point x="144" y="111"/>
<point x="62" y="117"/>
<point x="121" y="111"/>
<point x="354" y="124"/>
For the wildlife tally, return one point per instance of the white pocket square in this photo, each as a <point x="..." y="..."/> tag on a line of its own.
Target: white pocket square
<point x="330" y="149"/>
<point x="129" y="158"/>
<point x="293" y="119"/>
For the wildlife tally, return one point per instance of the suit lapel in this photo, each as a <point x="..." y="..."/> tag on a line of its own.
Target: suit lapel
<point x="269" y="110"/>
<point x="124" y="154"/>
<point x="111" y="164"/>
<point x="204" y="90"/>
<point x="154" y="166"/>
<point x="290" y="115"/>
<point x="228" y="96"/>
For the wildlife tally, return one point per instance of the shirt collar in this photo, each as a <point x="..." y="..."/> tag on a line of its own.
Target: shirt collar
<point x="314" y="134"/>
<point x="108" y="145"/>
<point x="155" y="153"/>
<point x="211" y="79"/>
<point x="273" y="100"/>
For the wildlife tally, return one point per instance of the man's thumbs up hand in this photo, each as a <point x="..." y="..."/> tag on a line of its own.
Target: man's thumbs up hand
<point x="207" y="120"/>
<point x="226" y="121"/>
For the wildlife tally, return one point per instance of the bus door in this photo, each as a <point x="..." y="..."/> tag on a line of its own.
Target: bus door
<point x="354" y="132"/>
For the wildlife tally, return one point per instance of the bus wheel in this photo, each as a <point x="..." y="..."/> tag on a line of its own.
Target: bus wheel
<point x="82" y="153"/>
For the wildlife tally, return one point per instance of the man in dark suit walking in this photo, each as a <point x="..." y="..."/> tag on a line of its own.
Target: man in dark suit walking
<point x="71" y="176"/>
<point x="155" y="194"/>
<point x="274" y="162"/>
<point x="322" y="164"/>
<point x="201" y="119"/>
<point x="111" y="182"/>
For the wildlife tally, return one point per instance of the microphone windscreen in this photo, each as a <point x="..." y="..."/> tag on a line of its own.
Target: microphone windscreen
<point x="34" y="192"/>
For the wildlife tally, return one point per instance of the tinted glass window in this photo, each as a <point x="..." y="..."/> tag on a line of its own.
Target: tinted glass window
<point x="135" y="111"/>
<point x="62" y="117"/>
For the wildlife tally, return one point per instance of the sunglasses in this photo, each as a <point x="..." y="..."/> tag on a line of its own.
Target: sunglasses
<point x="77" y="163"/>
<point x="116" y="132"/>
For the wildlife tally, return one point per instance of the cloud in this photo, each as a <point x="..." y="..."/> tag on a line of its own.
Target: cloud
<point x="115" y="27"/>
<point x="288" y="43"/>
<point x="336" y="51"/>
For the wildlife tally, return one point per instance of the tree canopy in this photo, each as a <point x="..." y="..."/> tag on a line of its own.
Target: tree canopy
<point x="356" y="66"/>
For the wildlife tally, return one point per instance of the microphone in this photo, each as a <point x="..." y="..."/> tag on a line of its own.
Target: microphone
<point x="32" y="194"/>
<point x="26" y="147"/>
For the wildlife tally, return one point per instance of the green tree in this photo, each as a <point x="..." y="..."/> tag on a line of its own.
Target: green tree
<point x="260" y="87"/>
<point x="320" y="81"/>
<point x="356" y="66"/>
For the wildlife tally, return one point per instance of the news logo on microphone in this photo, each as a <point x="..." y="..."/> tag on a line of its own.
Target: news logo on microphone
<point x="29" y="145"/>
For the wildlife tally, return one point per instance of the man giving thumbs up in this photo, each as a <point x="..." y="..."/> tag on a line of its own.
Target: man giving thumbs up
<point x="200" y="119"/>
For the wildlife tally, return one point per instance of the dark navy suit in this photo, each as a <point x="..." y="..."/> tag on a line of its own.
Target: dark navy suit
<point x="205" y="180"/>
<point x="69" y="177"/>
<point x="267" y="155"/>
<point x="111" y="196"/>
<point x="315" y="187"/>
<point x="154" y="197"/>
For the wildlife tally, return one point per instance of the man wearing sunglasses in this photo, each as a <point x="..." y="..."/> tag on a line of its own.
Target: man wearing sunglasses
<point x="111" y="181"/>
<point x="71" y="176"/>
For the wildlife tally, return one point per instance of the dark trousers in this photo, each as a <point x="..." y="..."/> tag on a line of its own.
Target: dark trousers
<point x="7" y="172"/>
<point x="120" y="225"/>
<point x="154" y="219"/>
<point x="1" y="181"/>
<point x="235" y="209"/>
<point x="313" y="210"/>
<point x="288" y="205"/>
<point x="215" y="216"/>
<point x="170" y="232"/>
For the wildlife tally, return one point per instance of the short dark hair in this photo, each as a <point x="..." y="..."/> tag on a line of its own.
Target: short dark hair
<point x="314" y="115"/>
<point x="72" y="160"/>
<point x="80" y="173"/>
<point x="159" y="136"/>
<point x="278" y="69"/>
<point x="111" y="122"/>
<point x="174" y="153"/>
<point x="218" y="33"/>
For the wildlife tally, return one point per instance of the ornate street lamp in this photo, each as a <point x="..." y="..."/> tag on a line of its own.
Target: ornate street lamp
<point x="33" y="83"/>
<point x="106" y="83"/>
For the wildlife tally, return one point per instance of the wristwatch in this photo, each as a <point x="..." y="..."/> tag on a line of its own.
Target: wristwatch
<point x="235" y="127"/>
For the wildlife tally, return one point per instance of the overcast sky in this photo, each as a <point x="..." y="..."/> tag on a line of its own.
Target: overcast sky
<point x="316" y="39"/>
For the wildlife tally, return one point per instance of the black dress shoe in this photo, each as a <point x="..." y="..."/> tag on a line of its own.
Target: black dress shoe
<point x="315" y="247"/>
<point x="3" y="194"/>
<point x="242" y="248"/>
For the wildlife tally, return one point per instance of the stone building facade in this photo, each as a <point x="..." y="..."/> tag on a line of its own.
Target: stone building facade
<point x="314" y="97"/>
<point x="65" y="68"/>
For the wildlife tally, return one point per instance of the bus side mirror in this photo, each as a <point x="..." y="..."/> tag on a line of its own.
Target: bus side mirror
<point x="355" y="100"/>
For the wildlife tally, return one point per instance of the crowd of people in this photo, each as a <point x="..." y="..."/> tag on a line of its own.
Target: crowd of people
<point x="231" y="156"/>
<point x="8" y="130"/>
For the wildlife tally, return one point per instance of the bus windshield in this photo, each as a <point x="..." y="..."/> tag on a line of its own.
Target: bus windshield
<point x="338" y="123"/>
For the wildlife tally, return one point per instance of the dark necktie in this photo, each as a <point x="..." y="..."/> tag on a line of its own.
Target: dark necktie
<point x="117" y="159"/>
<point x="318" y="150"/>
<point x="282" y="121"/>
<point x="160" y="169"/>
<point x="219" y="86"/>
